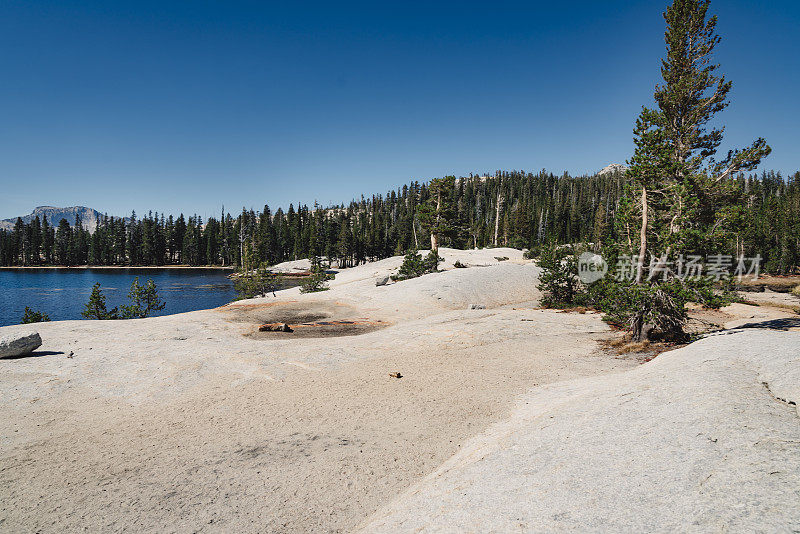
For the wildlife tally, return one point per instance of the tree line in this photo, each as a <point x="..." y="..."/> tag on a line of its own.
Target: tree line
<point x="510" y="208"/>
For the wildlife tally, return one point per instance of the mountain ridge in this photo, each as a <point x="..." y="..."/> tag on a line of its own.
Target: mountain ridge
<point x="55" y="214"/>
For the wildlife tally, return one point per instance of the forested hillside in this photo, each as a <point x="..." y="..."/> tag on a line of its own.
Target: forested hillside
<point x="535" y="209"/>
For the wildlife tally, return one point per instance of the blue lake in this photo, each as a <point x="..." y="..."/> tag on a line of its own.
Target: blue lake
<point x="62" y="293"/>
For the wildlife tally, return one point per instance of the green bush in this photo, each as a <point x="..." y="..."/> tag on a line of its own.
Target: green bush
<point x="34" y="316"/>
<point x="533" y="253"/>
<point x="415" y="265"/>
<point x="256" y="283"/>
<point x="642" y="308"/>
<point x="144" y="300"/>
<point x="317" y="281"/>
<point x="654" y="308"/>
<point x="559" y="279"/>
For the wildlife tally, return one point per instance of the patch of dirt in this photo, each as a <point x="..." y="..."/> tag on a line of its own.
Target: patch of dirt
<point x="621" y="347"/>
<point x="576" y="309"/>
<point x="306" y="319"/>
<point x="703" y="320"/>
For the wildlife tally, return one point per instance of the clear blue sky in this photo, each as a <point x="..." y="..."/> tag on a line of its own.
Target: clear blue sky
<point x="184" y="106"/>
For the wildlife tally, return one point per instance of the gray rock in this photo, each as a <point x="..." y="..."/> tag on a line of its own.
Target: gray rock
<point x="19" y="345"/>
<point x="382" y="281"/>
<point x="477" y="307"/>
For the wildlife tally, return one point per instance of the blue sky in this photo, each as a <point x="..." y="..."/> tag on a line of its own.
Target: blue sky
<point x="185" y="106"/>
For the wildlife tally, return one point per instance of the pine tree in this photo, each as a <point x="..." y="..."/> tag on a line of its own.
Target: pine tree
<point x="96" y="307"/>
<point x="677" y="182"/>
<point x="63" y="243"/>
<point x="34" y="316"/>
<point x="47" y="241"/>
<point x="438" y="215"/>
<point x="144" y="300"/>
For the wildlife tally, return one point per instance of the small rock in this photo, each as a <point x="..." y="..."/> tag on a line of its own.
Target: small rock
<point x="395" y="375"/>
<point x="382" y="281"/>
<point x="476" y="307"/>
<point x="19" y="345"/>
<point x="71" y="354"/>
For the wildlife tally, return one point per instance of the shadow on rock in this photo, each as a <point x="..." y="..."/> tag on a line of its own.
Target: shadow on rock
<point x="775" y="324"/>
<point x="34" y="354"/>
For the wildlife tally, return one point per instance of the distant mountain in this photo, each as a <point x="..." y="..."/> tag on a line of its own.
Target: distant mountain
<point x="612" y="168"/>
<point x="54" y="215"/>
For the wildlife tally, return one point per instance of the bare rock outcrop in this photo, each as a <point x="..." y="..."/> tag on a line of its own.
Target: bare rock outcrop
<point x="19" y="345"/>
<point x="612" y="168"/>
<point x="700" y="439"/>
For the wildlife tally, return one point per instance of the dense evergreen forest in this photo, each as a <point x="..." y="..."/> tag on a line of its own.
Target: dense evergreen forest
<point x="534" y="209"/>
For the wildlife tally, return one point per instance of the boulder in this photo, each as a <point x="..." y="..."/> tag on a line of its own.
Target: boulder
<point x="19" y="345"/>
<point x="381" y="281"/>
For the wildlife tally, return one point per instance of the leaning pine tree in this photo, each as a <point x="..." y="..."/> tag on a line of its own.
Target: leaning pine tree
<point x="676" y="190"/>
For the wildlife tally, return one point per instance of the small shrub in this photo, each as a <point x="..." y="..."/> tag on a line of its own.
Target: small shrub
<point x="501" y="258"/>
<point x="317" y="281"/>
<point x="34" y="316"/>
<point x="532" y="254"/>
<point x="654" y="309"/>
<point x="459" y="265"/>
<point x="796" y="291"/>
<point x="256" y="283"/>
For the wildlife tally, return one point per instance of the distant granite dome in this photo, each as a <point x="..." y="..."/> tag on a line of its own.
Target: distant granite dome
<point x="612" y="168"/>
<point x="54" y="215"/>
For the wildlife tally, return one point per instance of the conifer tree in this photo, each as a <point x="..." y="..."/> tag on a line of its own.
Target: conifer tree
<point x="96" y="307"/>
<point x="144" y="300"/>
<point x="674" y="175"/>
<point x="438" y="215"/>
<point x="672" y="171"/>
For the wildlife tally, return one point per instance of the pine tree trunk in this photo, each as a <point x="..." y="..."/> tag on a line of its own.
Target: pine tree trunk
<point x="241" y="244"/>
<point x="497" y="215"/>
<point x="434" y="242"/>
<point x="642" y="238"/>
<point x="434" y="233"/>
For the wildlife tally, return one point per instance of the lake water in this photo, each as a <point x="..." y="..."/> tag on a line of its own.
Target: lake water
<point x="62" y="293"/>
